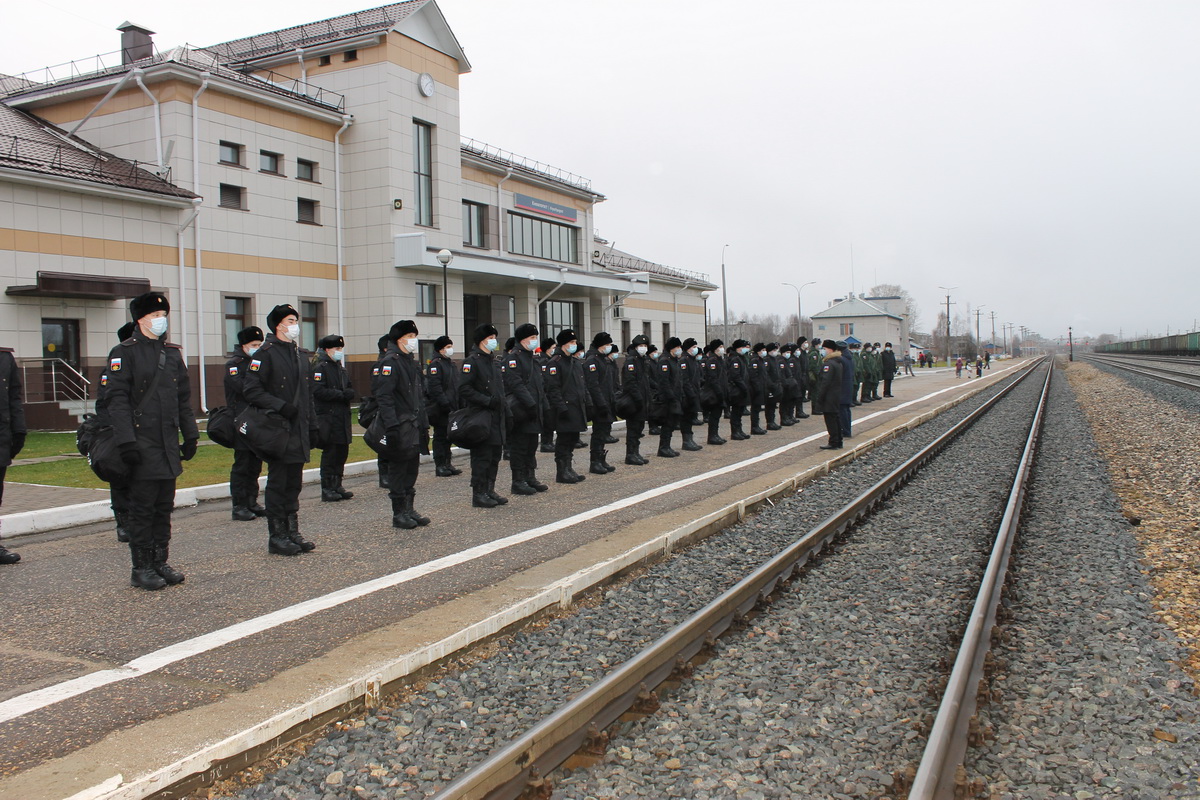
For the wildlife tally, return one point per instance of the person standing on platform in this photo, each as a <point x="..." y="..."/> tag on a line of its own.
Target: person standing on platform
<point x="149" y="403"/>
<point x="788" y="384"/>
<point x="828" y="393"/>
<point x="277" y="381"/>
<point x="381" y="462"/>
<point x="12" y="427"/>
<point x="738" y="370"/>
<point x="566" y="392"/>
<point x="441" y="397"/>
<point x="670" y="395"/>
<point x="247" y="466"/>
<point x="481" y="386"/>
<point x="888" y="361"/>
<point x="397" y="386"/>
<point x="714" y="389"/>
<point x="774" y="385"/>
<point x="800" y="362"/>
<point x="636" y="380"/>
<point x="600" y="379"/>
<point x="547" y="351"/>
<point x="524" y="386"/>
<point x="118" y="493"/>
<point x="689" y="367"/>
<point x="758" y="388"/>
<point x="332" y="394"/>
<point x="848" y="387"/>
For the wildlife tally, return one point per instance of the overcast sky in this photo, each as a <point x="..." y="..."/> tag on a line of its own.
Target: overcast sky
<point x="1041" y="157"/>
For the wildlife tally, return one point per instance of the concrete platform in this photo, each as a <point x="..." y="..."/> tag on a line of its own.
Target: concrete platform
<point x="111" y="692"/>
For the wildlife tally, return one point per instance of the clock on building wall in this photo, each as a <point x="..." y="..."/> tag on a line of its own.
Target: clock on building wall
<point x="425" y="84"/>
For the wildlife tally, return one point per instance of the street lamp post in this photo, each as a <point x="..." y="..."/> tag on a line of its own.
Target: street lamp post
<point x="799" y="316"/>
<point x="978" y="343"/>
<point x="724" y="298"/>
<point x="705" y="296"/>
<point x="1071" y="344"/>
<point x="445" y="257"/>
<point x="947" y="289"/>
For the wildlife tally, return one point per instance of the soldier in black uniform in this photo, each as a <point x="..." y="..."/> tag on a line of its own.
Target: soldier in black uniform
<point x="636" y="392"/>
<point x="247" y="466"/>
<point x="738" y="370"/>
<point x="774" y="380"/>
<point x="758" y="387"/>
<point x="669" y="385"/>
<point x="148" y="399"/>
<point x="118" y="493"/>
<point x="12" y="427"/>
<point x="566" y="393"/>
<point x="800" y="367"/>
<point x="542" y="357"/>
<point x="381" y="462"/>
<point x="332" y="394"/>
<point x="524" y="387"/>
<point x="827" y="396"/>
<point x="397" y="387"/>
<point x="481" y="386"/>
<point x="888" y="360"/>
<point x="689" y="366"/>
<point x="277" y="381"/>
<point x="601" y="381"/>
<point x="714" y="388"/>
<point x="441" y="397"/>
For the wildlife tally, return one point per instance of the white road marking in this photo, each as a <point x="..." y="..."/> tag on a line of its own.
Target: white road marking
<point x="41" y="698"/>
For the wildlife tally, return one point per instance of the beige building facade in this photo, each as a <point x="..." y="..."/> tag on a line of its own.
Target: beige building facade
<point x="320" y="165"/>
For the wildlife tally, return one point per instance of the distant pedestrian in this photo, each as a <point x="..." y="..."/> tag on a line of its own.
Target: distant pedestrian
<point x="12" y="426"/>
<point x="908" y="364"/>
<point x="978" y="367"/>
<point x="921" y="359"/>
<point x="827" y="395"/>
<point x="441" y="398"/>
<point x="888" y="363"/>
<point x="958" y="368"/>
<point x="987" y="360"/>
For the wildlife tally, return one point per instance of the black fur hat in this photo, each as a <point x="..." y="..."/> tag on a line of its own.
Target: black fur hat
<point x="600" y="339"/>
<point x="402" y="328"/>
<point x="277" y="315"/>
<point x="148" y="303"/>
<point x="383" y="343"/>
<point x="640" y="339"/>
<point x="441" y="342"/>
<point x="689" y="343"/>
<point x="251" y="334"/>
<point x="831" y="344"/>
<point x="672" y="343"/>
<point x="524" y="331"/>
<point x="331" y="341"/>
<point x="125" y="331"/>
<point x="714" y="344"/>
<point x="565" y="336"/>
<point x="482" y="332"/>
<point x="547" y="343"/>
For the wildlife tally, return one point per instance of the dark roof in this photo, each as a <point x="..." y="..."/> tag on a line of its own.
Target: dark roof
<point x="373" y="20"/>
<point x="32" y="144"/>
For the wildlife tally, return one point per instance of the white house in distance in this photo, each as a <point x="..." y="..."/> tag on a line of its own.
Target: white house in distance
<point x="863" y="319"/>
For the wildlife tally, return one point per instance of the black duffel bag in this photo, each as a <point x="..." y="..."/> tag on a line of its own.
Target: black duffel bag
<point x="368" y="409"/>
<point x="85" y="433"/>
<point x="104" y="457"/>
<point x="407" y="440"/>
<point x="627" y="406"/>
<point x="266" y="433"/>
<point x="469" y="427"/>
<point x="221" y="428"/>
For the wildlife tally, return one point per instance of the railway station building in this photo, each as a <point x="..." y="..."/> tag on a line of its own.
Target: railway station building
<point x="320" y="165"/>
<point x="863" y="319"/>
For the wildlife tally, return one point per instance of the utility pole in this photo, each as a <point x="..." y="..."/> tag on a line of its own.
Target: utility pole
<point x="724" y="300"/>
<point x="1070" y="344"/>
<point x="948" y="304"/>
<point x="978" y="314"/>
<point x="993" y="313"/>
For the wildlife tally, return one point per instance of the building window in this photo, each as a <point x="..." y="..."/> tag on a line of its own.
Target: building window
<point x="473" y="221"/>
<point x="324" y="61"/>
<point x="270" y="162"/>
<point x="666" y="335"/>
<point x="541" y="238"/>
<point x="306" y="170"/>
<point x="423" y="171"/>
<point x="311" y="323"/>
<point x="237" y="314"/>
<point x="846" y="329"/>
<point x="646" y="331"/>
<point x="350" y="55"/>
<point x="307" y="211"/>
<point x="233" y="196"/>
<point x="427" y="298"/>
<point x="559" y="315"/>
<point x="231" y="153"/>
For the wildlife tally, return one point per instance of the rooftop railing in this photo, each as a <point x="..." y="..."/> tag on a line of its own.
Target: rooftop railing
<point x="507" y="158"/>
<point x="631" y="264"/>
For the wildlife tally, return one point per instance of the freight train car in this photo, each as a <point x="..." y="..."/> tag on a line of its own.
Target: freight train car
<point x="1181" y="344"/>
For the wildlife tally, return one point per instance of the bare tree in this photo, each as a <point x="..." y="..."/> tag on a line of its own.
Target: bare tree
<point x="895" y="290"/>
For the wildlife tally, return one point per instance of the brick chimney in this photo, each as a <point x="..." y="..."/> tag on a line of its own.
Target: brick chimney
<point x="136" y="43"/>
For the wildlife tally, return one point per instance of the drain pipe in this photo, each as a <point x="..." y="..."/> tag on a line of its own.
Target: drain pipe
<point x="562" y="278"/>
<point x="303" y="71"/>
<point x="133" y="73"/>
<point x="204" y="78"/>
<point x="157" y="119"/>
<point x="337" y="196"/>
<point x="182" y="316"/>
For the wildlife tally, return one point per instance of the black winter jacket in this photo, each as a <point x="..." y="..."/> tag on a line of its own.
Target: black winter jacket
<point x="278" y="376"/>
<point x="481" y="385"/>
<point x="12" y="408"/>
<point x="524" y="385"/>
<point x="567" y="393"/>
<point x="599" y="375"/>
<point x="636" y="383"/>
<point x="827" y="397"/>
<point x="441" y="389"/>
<point x="332" y="394"/>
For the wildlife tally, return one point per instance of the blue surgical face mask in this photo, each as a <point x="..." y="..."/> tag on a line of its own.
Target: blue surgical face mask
<point x="743" y="350"/>
<point x="641" y="349"/>
<point x="338" y="355"/>
<point x="493" y="345"/>
<point x="571" y="348"/>
<point x="252" y="351"/>
<point x="529" y="344"/>
<point x="158" y="326"/>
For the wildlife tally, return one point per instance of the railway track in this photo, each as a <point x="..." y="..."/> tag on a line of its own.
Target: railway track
<point x="576" y="730"/>
<point x="1135" y="365"/>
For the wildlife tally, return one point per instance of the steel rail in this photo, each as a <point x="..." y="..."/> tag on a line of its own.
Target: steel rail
<point x="506" y="773"/>
<point x="938" y="771"/>
<point x="1165" y="375"/>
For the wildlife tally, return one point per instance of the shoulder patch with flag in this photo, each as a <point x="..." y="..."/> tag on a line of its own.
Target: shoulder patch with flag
<point x="666" y="367"/>
<point x="591" y="367"/>
<point x="512" y="363"/>
<point x="375" y="371"/>
<point x="317" y="376"/>
<point x="114" y="364"/>
<point x="432" y="370"/>
<point x="466" y="367"/>
<point x="554" y="370"/>
<point x="387" y="369"/>
<point x="104" y="379"/>
<point x="630" y="367"/>
<point x="233" y="371"/>
<point x="825" y="368"/>
<point x="712" y="366"/>
<point x="254" y="365"/>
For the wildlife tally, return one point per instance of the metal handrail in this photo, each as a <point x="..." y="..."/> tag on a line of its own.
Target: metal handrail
<point x="491" y="153"/>
<point x="64" y="380"/>
<point x="504" y="774"/>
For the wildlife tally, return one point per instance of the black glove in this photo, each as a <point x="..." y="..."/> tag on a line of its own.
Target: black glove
<point x="289" y="411"/>
<point x="348" y="394"/>
<point x="18" y="444"/>
<point x="188" y="449"/>
<point x="130" y="454"/>
<point x="393" y="436"/>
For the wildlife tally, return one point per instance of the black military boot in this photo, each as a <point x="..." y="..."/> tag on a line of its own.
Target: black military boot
<point x="736" y="432"/>
<point x="565" y="474"/>
<point x="400" y="517"/>
<point x="413" y="514"/>
<point x="479" y="495"/>
<point x="595" y="466"/>
<point x="664" y="446"/>
<point x="277" y="538"/>
<point x="382" y="466"/>
<point x="240" y="514"/>
<point x="337" y="487"/>
<point x="169" y="574"/>
<point x="632" y="457"/>
<point x="604" y="461"/>
<point x="253" y="504"/>
<point x="122" y="531"/>
<point x="654" y="430"/>
<point x="444" y="470"/>
<point x="8" y="556"/>
<point x="144" y="576"/>
<point x="547" y="445"/>
<point x="800" y="412"/>
<point x="520" y="484"/>
<point x="533" y="483"/>
<point x="714" y="432"/>
<point x="690" y="444"/>
<point x="293" y="533"/>
<point x="329" y="493"/>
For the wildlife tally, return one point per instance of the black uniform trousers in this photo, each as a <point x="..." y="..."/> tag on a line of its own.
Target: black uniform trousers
<point x="756" y="415"/>
<point x="601" y="428"/>
<point x="441" y="443"/>
<point x="523" y="449"/>
<point x="735" y="417"/>
<point x="119" y="502"/>
<point x="485" y="464"/>
<point x="243" y="477"/>
<point x="402" y="474"/>
<point x="284" y="482"/>
<point x="149" y="516"/>
<point x="833" y="424"/>
<point x="713" y="415"/>
<point x="2" y="471"/>
<point x="564" y="445"/>
<point x="634" y="428"/>
<point x="333" y="459"/>
<point x="887" y="386"/>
